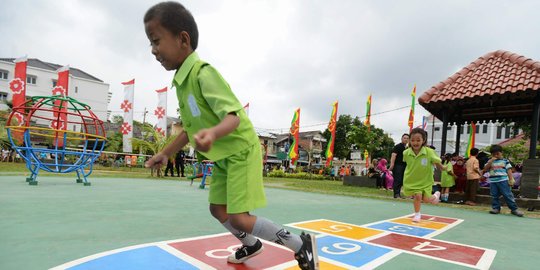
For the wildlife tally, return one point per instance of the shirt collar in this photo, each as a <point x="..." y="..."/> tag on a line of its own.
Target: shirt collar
<point x="423" y="151"/>
<point x="182" y="72"/>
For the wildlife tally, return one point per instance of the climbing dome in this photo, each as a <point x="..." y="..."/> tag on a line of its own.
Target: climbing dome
<point x="56" y="134"/>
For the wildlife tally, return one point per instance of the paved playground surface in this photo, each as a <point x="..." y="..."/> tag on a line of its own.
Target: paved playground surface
<point x="159" y="224"/>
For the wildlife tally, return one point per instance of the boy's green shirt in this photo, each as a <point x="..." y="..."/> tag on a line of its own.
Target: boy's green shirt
<point x="205" y="98"/>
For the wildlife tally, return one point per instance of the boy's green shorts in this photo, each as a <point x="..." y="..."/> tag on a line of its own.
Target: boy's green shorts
<point x="237" y="181"/>
<point x="426" y="192"/>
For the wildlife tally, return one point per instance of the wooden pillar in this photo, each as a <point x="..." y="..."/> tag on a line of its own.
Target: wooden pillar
<point x="534" y="129"/>
<point x="444" y="130"/>
<point x="458" y="136"/>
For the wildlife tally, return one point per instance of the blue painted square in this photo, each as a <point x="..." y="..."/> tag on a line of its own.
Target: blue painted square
<point x="349" y="252"/>
<point x="401" y="228"/>
<point x="151" y="257"/>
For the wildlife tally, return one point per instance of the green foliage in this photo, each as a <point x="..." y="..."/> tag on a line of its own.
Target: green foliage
<point x="351" y="132"/>
<point x="154" y="142"/>
<point x="114" y="142"/>
<point x="297" y="175"/>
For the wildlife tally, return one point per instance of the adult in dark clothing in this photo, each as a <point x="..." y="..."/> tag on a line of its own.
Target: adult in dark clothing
<point x="169" y="167"/>
<point x="397" y="166"/>
<point x="179" y="162"/>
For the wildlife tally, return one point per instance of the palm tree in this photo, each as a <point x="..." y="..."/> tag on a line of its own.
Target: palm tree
<point x="154" y="141"/>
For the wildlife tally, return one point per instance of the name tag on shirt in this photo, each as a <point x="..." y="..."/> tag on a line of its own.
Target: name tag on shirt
<point x="195" y="111"/>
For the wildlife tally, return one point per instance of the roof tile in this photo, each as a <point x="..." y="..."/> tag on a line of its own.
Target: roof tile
<point x="494" y="73"/>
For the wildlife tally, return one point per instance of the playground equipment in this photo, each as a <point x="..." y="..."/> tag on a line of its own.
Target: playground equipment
<point x="201" y="169"/>
<point x="44" y="120"/>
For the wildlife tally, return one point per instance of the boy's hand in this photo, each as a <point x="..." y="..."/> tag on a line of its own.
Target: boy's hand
<point x="204" y="140"/>
<point x="156" y="161"/>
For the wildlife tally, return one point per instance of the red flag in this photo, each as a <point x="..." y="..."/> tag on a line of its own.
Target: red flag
<point x="411" y="113"/>
<point x="18" y="90"/>
<point x="59" y="121"/>
<point x="332" y="129"/>
<point x="295" y="130"/>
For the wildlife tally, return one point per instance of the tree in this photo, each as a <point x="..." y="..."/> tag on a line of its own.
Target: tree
<point x="375" y="141"/>
<point x="342" y="148"/>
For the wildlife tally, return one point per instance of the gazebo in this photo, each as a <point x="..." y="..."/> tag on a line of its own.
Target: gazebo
<point x="498" y="86"/>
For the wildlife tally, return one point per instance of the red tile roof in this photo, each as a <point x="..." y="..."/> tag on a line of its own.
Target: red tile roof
<point x="498" y="72"/>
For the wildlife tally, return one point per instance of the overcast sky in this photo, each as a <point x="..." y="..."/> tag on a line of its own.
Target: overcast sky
<point x="281" y="55"/>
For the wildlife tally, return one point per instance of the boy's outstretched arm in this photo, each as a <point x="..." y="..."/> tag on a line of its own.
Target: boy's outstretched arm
<point x="206" y="137"/>
<point x="172" y="148"/>
<point x="439" y="166"/>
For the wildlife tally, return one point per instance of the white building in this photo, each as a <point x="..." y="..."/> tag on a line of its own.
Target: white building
<point x="42" y="77"/>
<point x="486" y="135"/>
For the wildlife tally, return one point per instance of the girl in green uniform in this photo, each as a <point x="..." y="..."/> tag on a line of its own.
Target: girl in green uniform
<point x="447" y="177"/>
<point x="418" y="179"/>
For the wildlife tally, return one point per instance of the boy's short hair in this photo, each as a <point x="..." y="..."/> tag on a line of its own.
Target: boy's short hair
<point x="174" y="17"/>
<point x="474" y="151"/>
<point x="495" y="149"/>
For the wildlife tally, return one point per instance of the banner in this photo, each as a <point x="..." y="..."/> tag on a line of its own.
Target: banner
<point x="332" y="129"/>
<point x="246" y="108"/>
<point x="368" y="113"/>
<point x="18" y="93"/>
<point x="411" y="113"/>
<point x="127" y="106"/>
<point x="366" y="158"/>
<point x="295" y="129"/>
<point x="470" y="144"/>
<point x="60" y="120"/>
<point x="161" y="112"/>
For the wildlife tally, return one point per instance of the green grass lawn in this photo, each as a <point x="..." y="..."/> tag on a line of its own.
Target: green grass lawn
<point x="315" y="186"/>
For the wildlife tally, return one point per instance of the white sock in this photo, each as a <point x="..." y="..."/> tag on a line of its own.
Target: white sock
<point x="269" y="231"/>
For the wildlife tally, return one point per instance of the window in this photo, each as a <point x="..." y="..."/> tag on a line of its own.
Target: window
<point x="3" y="97"/>
<point x="507" y="132"/>
<point x="437" y="128"/>
<point x="76" y="89"/>
<point x="449" y="128"/>
<point x="468" y="129"/>
<point x="31" y="79"/>
<point x="54" y="82"/>
<point x="3" y="74"/>
<point x="499" y="132"/>
<point x="484" y="128"/>
<point x="477" y="129"/>
<point x="460" y="129"/>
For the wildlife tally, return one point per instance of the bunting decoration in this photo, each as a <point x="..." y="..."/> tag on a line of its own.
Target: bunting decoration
<point x="295" y="129"/>
<point x="127" y="106"/>
<point x="368" y="113"/>
<point x="18" y="93"/>
<point x="411" y="114"/>
<point x="332" y="129"/>
<point x="470" y="144"/>
<point x="60" y="120"/>
<point x="246" y="108"/>
<point x="161" y="112"/>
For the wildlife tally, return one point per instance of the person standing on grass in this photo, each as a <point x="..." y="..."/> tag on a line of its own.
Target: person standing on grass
<point x="216" y="124"/>
<point x="397" y="166"/>
<point x="473" y="176"/>
<point x="448" y="178"/>
<point x="418" y="178"/>
<point x="500" y="177"/>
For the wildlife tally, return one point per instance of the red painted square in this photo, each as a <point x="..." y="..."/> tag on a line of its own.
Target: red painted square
<point x="215" y="250"/>
<point x="437" y="219"/>
<point x="432" y="248"/>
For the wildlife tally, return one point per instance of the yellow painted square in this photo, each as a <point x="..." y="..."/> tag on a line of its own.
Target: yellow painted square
<point x="339" y="229"/>
<point x="322" y="265"/>
<point x="423" y="223"/>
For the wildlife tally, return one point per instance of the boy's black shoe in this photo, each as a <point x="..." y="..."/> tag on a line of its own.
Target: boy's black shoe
<point x="245" y="252"/>
<point x="307" y="255"/>
<point x="494" y="211"/>
<point x="517" y="213"/>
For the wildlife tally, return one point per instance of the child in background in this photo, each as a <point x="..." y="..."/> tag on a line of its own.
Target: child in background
<point x="216" y="124"/>
<point x="500" y="175"/>
<point x="418" y="179"/>
<point x="386" y="175"/>
<point x="461" y="175"/>
<point x="447" y="177"/>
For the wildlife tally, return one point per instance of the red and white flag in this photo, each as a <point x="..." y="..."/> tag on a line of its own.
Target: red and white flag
<point x="161" y="111"/>
<point x="59" y="121"/>
<point x="246" y="108"/>
<point x="127" y="106"/>
<point x="18" y="88"/>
